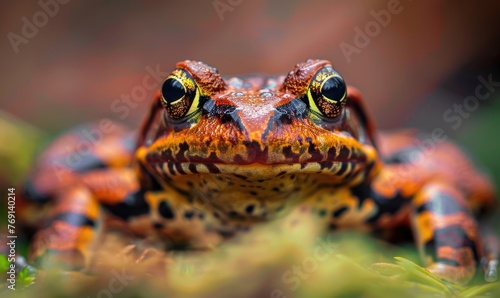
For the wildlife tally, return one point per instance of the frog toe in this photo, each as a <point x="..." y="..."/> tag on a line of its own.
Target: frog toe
<point x="456" y="274"/>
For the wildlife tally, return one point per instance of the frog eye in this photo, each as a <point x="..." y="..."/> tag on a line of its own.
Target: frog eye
<point x="179" y="94"/>
<point x="327" y="93"/>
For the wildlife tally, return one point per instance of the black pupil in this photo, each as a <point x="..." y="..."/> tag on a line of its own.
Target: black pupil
<point x="334" y="88"/>
<point x="172" y="90"/>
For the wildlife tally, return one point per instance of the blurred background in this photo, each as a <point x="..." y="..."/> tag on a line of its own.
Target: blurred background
<point x="66" y="62"/>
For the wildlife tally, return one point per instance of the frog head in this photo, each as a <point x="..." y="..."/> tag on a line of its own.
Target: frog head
<point x="260" y="138"/>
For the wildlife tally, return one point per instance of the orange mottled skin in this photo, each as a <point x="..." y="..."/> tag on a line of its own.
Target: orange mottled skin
<point x="217" y="156"/>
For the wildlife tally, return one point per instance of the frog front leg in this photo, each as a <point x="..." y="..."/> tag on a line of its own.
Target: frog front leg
<point x="77" y="217"/>
<point x="70" y="232"/>
<point x="446" y="232"/>
<point x="444" y="228"/>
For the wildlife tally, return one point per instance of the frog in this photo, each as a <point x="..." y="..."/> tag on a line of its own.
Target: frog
<point x="218" y="156"/>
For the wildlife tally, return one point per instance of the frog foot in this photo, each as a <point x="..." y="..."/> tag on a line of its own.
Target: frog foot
<point x="456" y="274"/>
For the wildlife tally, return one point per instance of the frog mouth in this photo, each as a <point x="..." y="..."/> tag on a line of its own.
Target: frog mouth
<point x="249" y="153"/>
<point x="259" y="171"/>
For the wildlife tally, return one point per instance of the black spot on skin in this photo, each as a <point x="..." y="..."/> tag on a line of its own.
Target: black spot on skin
<point x="276" y="189"/>
<point x="253" y="193"/>
<point x="339" y="212"/>
<point x="188" y="214"/>
<point x="289" y="154"/>
<point x="343" y="169"/>
<point x="384" y="205"/>
<point x="241" y="176"/>
<point x="216" y="214"/>
<point x="234" y="214"/>
<point x="212" y="168"/>
<point x="171" y="169"/>
<point x="158" y="225"/>
<point x="344" y="153"/>
<point x="134" y="204"/>
<point x="179" y="169"/>
<point x="313" y="151"/>
<point x="226" y="118"/>
<point x="325" y="165"/>
<point x="249" y="209"/>
<point x="165" y="210"/>
<point x="190" y="184"/>
<point x="192" y="168"/>
<point x="201" y="215"/>
<point x="226" y="234"/>
<point x="281" y="173"/>
<point x="292" y="176"/>
<point x="322" y="212"/>
<point x="183" y="147"/>
<point x="332" y="227"/>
